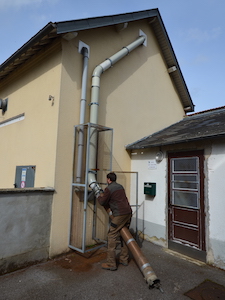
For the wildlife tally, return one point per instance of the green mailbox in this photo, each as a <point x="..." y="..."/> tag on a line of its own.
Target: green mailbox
<point x="150" y="188"/>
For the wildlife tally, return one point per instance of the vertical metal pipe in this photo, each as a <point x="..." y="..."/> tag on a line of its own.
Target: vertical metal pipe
<point x="82" y="114"/>
<point x="137" y="205"/>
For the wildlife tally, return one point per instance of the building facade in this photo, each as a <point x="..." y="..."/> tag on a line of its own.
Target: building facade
<point x="42" y="89"/>
<point x="186" y="163"/>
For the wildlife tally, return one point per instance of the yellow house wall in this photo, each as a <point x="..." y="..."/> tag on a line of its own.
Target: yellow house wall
<point x="137" y="98"/>
<point x="68" y="118"/>
<point x="31" y="141"/>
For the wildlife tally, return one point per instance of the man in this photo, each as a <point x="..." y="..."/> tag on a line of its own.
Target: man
<point x="114" y="197"/>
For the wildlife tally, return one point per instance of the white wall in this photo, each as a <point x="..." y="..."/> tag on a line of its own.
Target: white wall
<point x="216" y="199"/>
<point x="152" y="215"/>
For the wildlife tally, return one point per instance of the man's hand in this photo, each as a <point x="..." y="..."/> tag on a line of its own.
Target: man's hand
<point x="99" y="193"/>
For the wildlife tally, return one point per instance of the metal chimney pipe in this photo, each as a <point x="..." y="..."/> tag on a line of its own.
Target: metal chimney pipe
<point x="142" y="262"/>
<point x="95" y="90"/>
<point x="80" y="149"/>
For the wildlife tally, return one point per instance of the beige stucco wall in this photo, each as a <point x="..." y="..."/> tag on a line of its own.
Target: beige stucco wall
<point x="136" y="90"/>
<point x="31" y="141"/>
<point x="137" y="98"/>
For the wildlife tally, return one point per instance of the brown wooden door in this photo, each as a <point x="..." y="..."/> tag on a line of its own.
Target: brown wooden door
<point x="186" y="203"/>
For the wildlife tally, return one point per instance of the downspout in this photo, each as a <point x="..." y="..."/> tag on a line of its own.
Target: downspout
<point x="95" y="89"/>
<point x="85" y="52"/>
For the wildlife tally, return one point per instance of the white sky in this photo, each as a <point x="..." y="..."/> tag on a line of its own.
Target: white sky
<point x="196" y="29"/>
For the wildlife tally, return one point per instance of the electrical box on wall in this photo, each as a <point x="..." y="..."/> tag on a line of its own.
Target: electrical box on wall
<point x="150" y="188"/>
<point x="24" y="176"/>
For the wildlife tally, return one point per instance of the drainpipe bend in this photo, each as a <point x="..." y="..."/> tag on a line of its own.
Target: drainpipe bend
<point x="95" y="91"/>
<point x="109" y="62"/>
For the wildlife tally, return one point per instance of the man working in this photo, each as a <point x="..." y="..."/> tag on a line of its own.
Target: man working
<point x="114" y="197"/>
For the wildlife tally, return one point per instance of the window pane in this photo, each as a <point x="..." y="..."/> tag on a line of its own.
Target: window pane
<point x="185" y="185"/>
<point x="185" y="164"/>
<point x="186" y="199"/>
<point x="183" y="181"/>
<point x="184" y="177"/>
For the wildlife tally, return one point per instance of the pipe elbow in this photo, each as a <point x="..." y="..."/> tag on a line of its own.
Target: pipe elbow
<point x="97" y="71"/>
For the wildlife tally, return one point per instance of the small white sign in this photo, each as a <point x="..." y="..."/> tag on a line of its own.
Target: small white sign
<point x="23" y="174"/>
<point x="152" y="164"/>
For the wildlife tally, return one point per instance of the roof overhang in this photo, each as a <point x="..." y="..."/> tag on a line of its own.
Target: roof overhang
<point x="53" y="30"/>
<point x="196" y="127"/>
<point x="43" y="37"/>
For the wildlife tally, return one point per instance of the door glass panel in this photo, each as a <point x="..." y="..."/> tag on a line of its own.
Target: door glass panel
<point x="187" y="199"/>
<point x="185" y="164"/>
<point x="185" y="185"/>
<point x="185" y="177"/>
<point x="185" y="182"/>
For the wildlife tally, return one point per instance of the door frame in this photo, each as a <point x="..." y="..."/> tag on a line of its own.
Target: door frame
<point x="200" y="253"/>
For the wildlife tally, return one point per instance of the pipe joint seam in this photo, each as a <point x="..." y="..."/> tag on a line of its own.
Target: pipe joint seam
<point x="149" y="272"/>
<point x="94" y="103"/>
<point x="92" y="172"/>
<point x="94" y="75"/>
<point x="130" y="240"/>
<point x="145" y="266"/>
<point x="110" y="60"/>
<point x="128" y="51"/>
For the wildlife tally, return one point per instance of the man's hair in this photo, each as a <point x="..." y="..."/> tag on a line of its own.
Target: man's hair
<point x="112" y="176"/>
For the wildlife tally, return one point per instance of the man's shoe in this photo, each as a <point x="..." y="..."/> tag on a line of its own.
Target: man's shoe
<point x="124" y="263"/>
<point x="105" y="266"/>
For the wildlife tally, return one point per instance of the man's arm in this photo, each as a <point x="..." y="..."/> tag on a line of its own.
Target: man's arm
<point x="103" y="198"/>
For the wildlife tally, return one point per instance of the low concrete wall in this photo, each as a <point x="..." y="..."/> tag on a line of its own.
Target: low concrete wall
<point x="25" y="221"/>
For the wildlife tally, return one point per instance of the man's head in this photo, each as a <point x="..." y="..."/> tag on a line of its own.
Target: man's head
<point x="111" y="177"/>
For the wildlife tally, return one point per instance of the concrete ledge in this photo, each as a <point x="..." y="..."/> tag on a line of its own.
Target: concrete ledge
<point x="27" y="190"/>
<point x="25" y="222"/>
<point x="13" y="263"/>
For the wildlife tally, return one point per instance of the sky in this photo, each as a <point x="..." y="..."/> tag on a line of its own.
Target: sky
<point x="196" y="29"/>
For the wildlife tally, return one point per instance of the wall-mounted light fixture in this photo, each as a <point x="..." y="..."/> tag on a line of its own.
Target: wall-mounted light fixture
<point x="159" y="156"/>
<point x="51" y="98"/>
<point x="3" y="105"/>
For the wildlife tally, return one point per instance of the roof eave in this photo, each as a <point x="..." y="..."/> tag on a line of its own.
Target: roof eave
<point x="161" y="35"/>
<point x="171" y="61"/>
<point x="28" y="45"/>
<point x="97" y="22"/>
<point x="153" y="145"/>
<point x="58" y="28"/>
